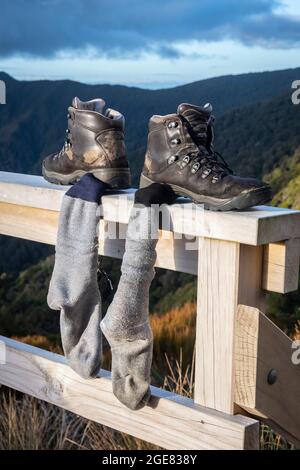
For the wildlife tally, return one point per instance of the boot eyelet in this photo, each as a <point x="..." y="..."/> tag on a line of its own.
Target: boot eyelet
<point x="195" y="167"/>
<point x="172" y="159"/>
<point x="176" y="141"/>
<point x="185" y="161"/>
<point x="206" y="173"/>
<point x="215" y="179"/>
<point x="172" y="124"/>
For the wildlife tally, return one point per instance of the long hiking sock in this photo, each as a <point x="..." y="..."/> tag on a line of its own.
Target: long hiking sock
<point x="126" y="323"/>
<point x="73" y="287"/>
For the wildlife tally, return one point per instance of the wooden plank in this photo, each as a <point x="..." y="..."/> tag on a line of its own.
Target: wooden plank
<point x="169" y="420"/>
<point x="36" y="191"/>
<point x="228" y="272"/>
<point x="217" y="299"/>
<point x="29" y="223"/>
<point x="172" y="252"/>
<point x="261" y="347"/>
<point x="41" y="226"/>
<point x="281" y="266"/>
<point x="256" y="226"/>
<point x="278" y="226"/>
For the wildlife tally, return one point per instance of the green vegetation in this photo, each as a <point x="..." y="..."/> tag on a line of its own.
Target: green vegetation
<point x="23" y="307"/>
<point x="285" y="181"/>
<point x="258" y="132"/>
<point x="256" y="126"/>
<point x="257" y="138"/>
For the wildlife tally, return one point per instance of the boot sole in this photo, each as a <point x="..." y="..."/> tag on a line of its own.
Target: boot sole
<point x="246" y="199"/>
<point x="116" y="178"/>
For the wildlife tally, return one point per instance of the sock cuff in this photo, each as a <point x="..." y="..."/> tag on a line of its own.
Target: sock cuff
<point x="88" y="188"/>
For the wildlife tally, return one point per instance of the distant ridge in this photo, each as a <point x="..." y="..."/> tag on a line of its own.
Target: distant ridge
<point x="257" y="127"/>
<point x="33" y="121"/>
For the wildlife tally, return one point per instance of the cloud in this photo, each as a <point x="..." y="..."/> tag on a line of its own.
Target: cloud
<point x="129" y="28"/>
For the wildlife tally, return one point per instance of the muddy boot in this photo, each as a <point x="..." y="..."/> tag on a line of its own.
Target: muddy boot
<point x="94" y="144"/>
<point x="180" y="153"/>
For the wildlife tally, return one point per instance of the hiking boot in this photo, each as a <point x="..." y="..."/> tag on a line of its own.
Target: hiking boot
<point x="94" y="144"/>
<point x="180" y="153"/>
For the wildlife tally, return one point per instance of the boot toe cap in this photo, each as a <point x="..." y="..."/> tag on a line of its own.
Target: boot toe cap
<point x="244" y="185"/>
<point x="49" y="161"/>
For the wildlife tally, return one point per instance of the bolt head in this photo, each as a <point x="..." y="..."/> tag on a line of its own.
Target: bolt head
<point x="272" y="376"/>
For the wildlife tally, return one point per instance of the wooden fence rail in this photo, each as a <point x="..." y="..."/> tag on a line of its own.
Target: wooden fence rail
<point x="237" y="256"/>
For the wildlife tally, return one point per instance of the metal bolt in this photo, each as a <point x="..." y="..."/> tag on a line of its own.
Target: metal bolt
<point x="272" y="377"/>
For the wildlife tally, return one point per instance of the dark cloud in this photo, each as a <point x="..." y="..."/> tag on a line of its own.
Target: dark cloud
<point x="128" y="27"/>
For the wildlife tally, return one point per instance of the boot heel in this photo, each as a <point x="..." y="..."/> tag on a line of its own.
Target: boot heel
<point x="115" y="178"/>
<point x="144" y="181"/>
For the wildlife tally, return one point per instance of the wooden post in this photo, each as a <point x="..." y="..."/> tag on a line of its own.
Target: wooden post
<point x="228" y="273"/>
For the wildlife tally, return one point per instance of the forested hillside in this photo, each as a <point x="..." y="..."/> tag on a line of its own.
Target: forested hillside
<point x="257" y="127"/>
<point x="33" y="121"/>
<point x="257" y="130"/>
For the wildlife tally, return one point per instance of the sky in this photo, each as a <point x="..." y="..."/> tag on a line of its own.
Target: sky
<point x="150" y="44"/>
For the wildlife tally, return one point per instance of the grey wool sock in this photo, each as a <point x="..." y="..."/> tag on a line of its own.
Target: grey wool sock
<point x="73" y="287"/>
<point x="126" y="323"/>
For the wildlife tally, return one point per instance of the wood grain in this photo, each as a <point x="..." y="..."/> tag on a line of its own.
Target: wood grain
<point x="261" y="347"/>
<point x="228" y="274"/>
<point x="170" y="421"/>
<point x="41" y="226"/>
<point x="281" y="266"/>
<point x="217" y="300"/>
<point x="256" y="226"/>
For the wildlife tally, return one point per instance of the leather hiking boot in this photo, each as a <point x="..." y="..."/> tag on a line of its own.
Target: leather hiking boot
<point x="180" y="153"/>
<point x="94" y="144"/>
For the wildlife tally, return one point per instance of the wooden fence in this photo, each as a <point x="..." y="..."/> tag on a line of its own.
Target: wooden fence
<point x="244" y="368"/>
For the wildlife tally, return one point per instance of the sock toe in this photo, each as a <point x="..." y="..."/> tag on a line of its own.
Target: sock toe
<point x="133" y="392"/>
<point x="87" y="367"/>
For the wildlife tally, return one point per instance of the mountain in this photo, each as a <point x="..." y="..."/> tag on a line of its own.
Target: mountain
<point x="257" y="127"/>
<point x="32" y="122"/>
<point x="257" y="131"/>
<point x="256" y="138"/>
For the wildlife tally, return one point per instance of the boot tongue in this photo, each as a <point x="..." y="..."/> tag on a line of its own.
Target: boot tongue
<point x="97" y="105"/>
<point x="205" y="110"/>
<point x="199" y="119"/>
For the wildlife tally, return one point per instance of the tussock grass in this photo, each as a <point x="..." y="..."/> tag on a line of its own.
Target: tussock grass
<point x="28" y="423"/>
<point x="296" y="334"/>
<point x="174" y="336"/>
<point x="40" y="341"/>
<point x="31" y="424"/>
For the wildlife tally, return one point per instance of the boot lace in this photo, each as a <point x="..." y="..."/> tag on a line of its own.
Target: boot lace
<point x="67" y="144"/>
<point x="206" y="162"/>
